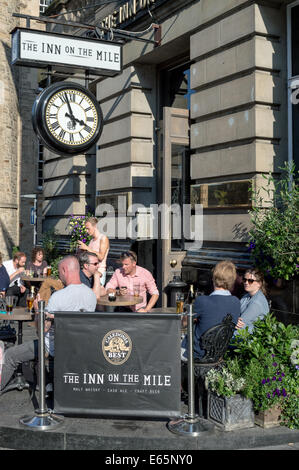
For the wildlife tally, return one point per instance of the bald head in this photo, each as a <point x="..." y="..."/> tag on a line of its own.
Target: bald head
<point x="69" y="270"/>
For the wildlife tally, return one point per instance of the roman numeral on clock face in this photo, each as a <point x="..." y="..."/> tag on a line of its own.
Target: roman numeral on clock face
<point x="87" y="128"/>
<point x="71" y="139"/>
<point x="62" y="134"/>
<point x="55" y="125"/>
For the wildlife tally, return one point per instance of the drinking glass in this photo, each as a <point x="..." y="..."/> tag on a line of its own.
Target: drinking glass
<point x="49" y="271"/>
<point x="30" y="300"/>
<point x="123" y="290"/>
<point x="179" y="302"/>
<point x="136" y="289"/>
<point x="111" y="296"/>
<point x="10" y="303"/>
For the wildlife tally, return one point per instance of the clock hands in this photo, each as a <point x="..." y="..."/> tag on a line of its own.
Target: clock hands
<point x="75" y="119"/>
<point x="71" y="116"/>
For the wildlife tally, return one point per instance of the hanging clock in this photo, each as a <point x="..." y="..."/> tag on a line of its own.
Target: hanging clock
<point x="67" y="118"/>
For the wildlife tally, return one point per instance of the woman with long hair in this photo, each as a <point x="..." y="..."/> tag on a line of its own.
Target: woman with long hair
<point x="38" y="264"/>
<point x="254" y="304"/>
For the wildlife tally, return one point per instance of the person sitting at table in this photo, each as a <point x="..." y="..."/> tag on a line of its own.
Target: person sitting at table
<point x="74" y="297"/>
<point x="131" y="274"/>
<point x="89" y="274"/>
<point x="37" y="264"/>
<point x="210" y="310"/>
<point x="4" y="278"/>
<point x="254" y="304"/>
<point x="48" y="287"/>
<point x="15" y="268"/>
<point x="99" y="245"/>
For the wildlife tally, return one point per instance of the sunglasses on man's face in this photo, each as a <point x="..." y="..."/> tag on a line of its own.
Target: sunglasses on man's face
<point x="95" y="264"/>
<point x="250" y="281"/>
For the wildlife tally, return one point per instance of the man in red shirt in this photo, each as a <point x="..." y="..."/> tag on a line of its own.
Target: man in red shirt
<point x="128" y="276"/>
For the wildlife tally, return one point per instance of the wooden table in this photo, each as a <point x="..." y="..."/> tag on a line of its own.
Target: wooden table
<point x="19" y="314"/>
<point x="120" y="301"/>
<point x="34" y="280"/>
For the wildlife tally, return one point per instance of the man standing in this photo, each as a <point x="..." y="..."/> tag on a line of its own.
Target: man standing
<point x="89" y="274"/>
<point x="74" y="297"/>
<point x="131" y="274"/>
<point x="99" y="245"/>
<point x="15" y="267"/>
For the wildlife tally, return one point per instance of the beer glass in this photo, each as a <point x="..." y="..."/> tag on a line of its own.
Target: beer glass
<point x="179" y="302"/>
<point x="30" y="299"/>
<point x="136" y="289"/>
<point x="11" y="301"/>
<point x="49" y="271"/>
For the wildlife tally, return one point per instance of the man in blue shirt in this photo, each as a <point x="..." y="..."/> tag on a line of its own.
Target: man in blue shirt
<point x="211" y="309"/>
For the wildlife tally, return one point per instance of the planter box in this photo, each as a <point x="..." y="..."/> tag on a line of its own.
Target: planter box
<point x="268" y="418"/>
<point x="230" y="413"/>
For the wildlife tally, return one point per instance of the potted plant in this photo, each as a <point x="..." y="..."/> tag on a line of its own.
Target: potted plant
<point x="275" y="221"/>
<point x="226" y="406"/>
<point x="268" y="358"/>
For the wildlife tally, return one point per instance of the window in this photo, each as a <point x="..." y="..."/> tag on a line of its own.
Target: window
<point x="175" y="88"/>
<point x="222" y="195"/>
<point x="43" y="4"/>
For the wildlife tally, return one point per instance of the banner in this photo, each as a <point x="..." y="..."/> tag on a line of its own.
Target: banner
<point x="123" y="364"/>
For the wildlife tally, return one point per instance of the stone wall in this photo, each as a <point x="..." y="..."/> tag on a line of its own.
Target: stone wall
<point x="239" y="105"/>
<point x="18" y="144"/>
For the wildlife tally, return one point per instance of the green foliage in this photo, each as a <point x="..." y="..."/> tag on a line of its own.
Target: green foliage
<point x="268" y="359"/>
<point x="15" y="249"/>
<point x="226" y="381"/>
<point x="50" y="245"/>
<point x="274" y="233"/>
<point x="290" y="406"/>
<point x="268" y="337"/>
<point x="78" y="230"/>
<point x="266" y="382"/>
<point x="54" y="266"/>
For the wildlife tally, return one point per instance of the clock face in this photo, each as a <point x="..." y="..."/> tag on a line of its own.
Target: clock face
<point x="67" y="118"/>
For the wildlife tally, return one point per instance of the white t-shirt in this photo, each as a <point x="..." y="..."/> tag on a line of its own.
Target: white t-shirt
<point x="72" y="298"/>
<point x="10" y="270"/>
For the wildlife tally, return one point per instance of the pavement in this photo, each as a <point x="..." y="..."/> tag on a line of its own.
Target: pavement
<point x="113" y="434"/>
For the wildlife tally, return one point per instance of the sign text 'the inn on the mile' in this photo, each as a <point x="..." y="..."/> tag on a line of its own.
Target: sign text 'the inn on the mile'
<point x="32" y="48"/>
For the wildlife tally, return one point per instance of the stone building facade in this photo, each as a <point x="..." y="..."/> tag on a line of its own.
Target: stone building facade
<point x="211" y="101"/>
<point x="18" y="143"/>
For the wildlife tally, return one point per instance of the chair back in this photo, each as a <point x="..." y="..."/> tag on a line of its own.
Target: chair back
<point x="2" y="304"/>
<point x="216" y="339"/>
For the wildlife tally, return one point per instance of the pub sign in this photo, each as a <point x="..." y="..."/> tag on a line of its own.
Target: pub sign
<point x="117" y="364"/>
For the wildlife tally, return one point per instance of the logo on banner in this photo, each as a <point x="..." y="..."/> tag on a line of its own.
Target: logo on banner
<point x="116" y="347"/>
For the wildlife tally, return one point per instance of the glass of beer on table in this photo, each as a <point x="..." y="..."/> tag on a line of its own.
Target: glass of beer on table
<point x="49" y="271"/>
<point x="10" y="303"/>
<point x="30" y="299"/>
<point x="136" y="289"/>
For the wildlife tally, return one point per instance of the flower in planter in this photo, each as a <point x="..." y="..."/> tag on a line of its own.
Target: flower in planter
<point x="294" y="358"/>
<point x="226" y="381"/>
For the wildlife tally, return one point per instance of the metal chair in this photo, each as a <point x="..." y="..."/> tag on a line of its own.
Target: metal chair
<point x="214" y="342"/>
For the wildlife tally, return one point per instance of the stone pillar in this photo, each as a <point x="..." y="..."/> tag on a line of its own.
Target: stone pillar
<point x="126" y="157"/>
<point x="238" y="107"/>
